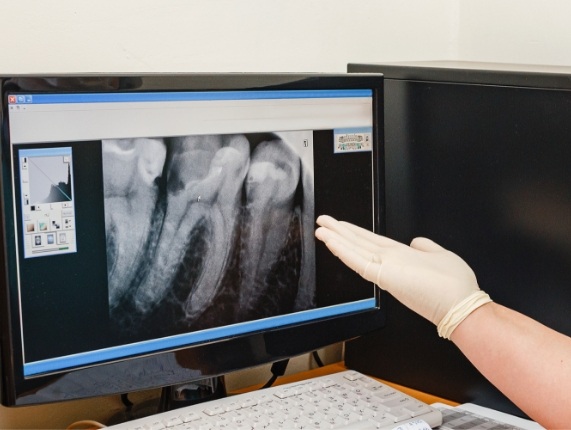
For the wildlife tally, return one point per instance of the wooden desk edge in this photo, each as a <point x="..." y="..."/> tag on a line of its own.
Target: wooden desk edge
<point x="339" y="367"/>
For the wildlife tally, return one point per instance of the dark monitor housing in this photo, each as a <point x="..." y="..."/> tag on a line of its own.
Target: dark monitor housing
<point x="477" y="158"/>
<point x="158" y="229"/>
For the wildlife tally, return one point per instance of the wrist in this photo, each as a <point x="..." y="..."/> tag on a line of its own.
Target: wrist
<point x="460" y="311"/>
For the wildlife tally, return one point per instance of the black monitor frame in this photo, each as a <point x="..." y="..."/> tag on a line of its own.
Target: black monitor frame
<point x="208" y="359"/>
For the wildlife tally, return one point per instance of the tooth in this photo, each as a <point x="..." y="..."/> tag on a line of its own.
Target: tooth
<point x="270" y="214"/>
<point x="227" y="172"/>
<point x="204" y="180"/>
<point x="130" y="170"/>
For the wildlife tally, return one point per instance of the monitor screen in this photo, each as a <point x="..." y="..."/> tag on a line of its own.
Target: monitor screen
<point x="159" y="229"/>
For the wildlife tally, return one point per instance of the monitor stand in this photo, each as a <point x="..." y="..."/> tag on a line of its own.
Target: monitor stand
<point x="172" y="397"/>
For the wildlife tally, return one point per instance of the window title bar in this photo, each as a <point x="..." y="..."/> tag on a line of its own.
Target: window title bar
<point x="183" y="96"/>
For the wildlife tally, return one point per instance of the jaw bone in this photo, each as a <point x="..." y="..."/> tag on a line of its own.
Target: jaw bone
<point x="270" y="185"/>
<point x="204" y="182"/>
<point x="132" y="167"/>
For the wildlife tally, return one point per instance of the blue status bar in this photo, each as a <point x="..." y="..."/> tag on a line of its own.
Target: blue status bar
<point x="183" y="96"/>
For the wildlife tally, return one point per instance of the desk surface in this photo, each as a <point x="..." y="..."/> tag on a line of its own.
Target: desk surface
<point x="338" y="367"/>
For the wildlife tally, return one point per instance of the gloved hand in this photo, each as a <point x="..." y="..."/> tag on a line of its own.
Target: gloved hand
<point x="425" y="277"/>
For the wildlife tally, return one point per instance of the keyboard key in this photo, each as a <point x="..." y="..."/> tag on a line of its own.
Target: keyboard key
<point x="191" y="416"/>
<point x="352" y="376"/>
<point x="233" y="406"/>
<point x="155" y="425"/>
<point x="383" y="421"/>
<point x="416" y="409"/>
<point x="398" y="415"/>
<point x="396" y="404"/>
<point x="172" y="421"/>
<point x="248" y="402"/>
<point x="389" y="395"/>
<point x="214" y="409"/>
<point x="286" y="392"/>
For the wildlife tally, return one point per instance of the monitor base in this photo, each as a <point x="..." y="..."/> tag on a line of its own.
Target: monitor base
<point x="173" y="397"/>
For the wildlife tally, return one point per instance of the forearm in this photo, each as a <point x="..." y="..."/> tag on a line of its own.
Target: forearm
<point x="528" y="362"/>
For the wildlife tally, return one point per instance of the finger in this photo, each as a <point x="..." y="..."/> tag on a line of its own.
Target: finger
<point x="328" y="221"/>
<point x="324" y="220"/>
<point x="324" y="234"/>
<point x="377" y="239"/>
<point x="341" y="230"/>
<point x="366" y="250"/>
<point x="365" y="267"/>
<point x="355" y="233"/>
<point x="424" y="244"/>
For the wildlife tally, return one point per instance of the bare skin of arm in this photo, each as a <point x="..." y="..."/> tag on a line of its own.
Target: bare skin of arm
<point x="529" y="362"/>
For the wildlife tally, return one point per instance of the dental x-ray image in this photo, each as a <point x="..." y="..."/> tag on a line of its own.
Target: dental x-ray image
<point x="206" y="230"/>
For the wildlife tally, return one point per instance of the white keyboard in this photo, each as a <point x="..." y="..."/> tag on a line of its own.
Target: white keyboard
<point x="342" y="400"/>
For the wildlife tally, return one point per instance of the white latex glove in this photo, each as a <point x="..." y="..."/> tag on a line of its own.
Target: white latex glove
<point x="425" y="277"/>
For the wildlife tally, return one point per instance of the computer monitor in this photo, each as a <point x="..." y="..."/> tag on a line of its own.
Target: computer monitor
<point x="158" y="229"/>
<point x="477" y="158"/>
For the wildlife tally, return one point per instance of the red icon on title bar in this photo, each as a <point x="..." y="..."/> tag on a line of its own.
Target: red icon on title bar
<point x="11" y="99"/>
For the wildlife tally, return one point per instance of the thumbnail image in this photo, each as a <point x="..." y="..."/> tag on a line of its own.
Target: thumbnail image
<point x="205" y="230"/>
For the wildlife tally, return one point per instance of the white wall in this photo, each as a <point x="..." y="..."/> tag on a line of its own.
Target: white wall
<point x="219" y="35"/>
<point x="515" y="31"/>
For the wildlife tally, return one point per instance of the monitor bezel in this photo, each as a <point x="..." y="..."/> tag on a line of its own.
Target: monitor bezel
<point x="257" y="348"/>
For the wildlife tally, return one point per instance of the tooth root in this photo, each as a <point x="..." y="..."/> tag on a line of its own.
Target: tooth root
<point x="130" y="167"/>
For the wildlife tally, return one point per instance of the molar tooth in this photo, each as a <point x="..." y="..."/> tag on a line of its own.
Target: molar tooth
<point x="130" y="168"/>
<point x="204" y="180"/>
<point x="272" y="181"/>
